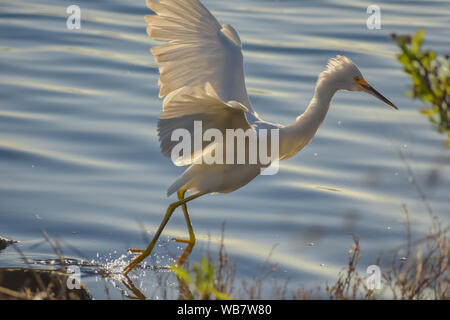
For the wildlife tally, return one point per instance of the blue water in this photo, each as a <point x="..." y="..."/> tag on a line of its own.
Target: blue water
<point x="79" y="154"/>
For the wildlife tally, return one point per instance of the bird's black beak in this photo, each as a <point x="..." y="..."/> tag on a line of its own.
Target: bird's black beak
<point x="369" y="89"/>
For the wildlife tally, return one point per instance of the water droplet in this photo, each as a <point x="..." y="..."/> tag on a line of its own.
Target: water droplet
<point x="388" y="227"/>
<point x="323" y="265"/>
<point x="315" y="154"/>
<point x="339" y="122"/>
<point x="396" y="173"/>
<point x="403" y="258"/>
<point x="311" y="244"/>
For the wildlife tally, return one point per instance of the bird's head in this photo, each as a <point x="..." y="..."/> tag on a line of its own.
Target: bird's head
<point x="343" y="74"/>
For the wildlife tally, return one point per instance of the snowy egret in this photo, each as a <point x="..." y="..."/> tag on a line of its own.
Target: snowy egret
<point x="202" y="79"/>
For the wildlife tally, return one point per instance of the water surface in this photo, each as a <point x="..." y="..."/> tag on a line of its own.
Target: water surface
<point x="79" y="155"/>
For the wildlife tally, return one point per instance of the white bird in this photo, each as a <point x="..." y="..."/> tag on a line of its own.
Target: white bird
<point x="202" y="78"/>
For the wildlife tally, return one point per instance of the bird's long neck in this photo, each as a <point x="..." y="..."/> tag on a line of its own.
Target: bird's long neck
<point x="297" y="135"/>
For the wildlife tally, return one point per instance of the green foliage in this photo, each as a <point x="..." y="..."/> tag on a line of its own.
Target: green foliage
<point x="430" y="76"/>
<point x="200" y="281"/>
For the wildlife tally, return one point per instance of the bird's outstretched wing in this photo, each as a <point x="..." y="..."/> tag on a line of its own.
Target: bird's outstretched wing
<point x="184" y="107"/>
<point x="199" y="50"/>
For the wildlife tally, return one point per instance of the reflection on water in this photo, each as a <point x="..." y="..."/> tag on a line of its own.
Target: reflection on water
<point x="79" y="154"/>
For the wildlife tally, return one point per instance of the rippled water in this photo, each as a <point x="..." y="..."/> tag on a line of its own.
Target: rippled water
<point x="79" y="155"/>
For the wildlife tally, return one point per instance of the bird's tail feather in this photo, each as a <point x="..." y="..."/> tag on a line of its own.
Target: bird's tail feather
<point x="180" y="182"/>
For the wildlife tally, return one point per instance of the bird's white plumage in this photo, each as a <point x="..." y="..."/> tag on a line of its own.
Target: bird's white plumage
<point x="338" y="69"/>
<point x="193" y="100"/>
<point x="188" y="104"/>
<point x="199" y="50"/>
<point x="202" y="76"/>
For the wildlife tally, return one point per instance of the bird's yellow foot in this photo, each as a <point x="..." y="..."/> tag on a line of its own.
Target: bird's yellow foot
<point x="132" y="250"/>
<point x="134" y="263"/>
<point x="182" y="240"/>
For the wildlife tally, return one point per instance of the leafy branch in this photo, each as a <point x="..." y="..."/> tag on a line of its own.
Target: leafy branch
<point x="430" y="76"/>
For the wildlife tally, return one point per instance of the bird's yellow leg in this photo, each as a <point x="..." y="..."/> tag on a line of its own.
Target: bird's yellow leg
<point x="191" y="242"/>
<point x="181" y="194"/>
<point x="145" y="253"/>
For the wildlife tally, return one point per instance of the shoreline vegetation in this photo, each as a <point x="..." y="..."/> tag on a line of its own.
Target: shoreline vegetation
<point x="423" y="273"/>
<point x="430" y="75"/>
